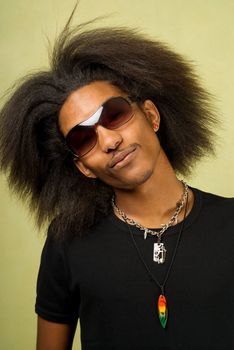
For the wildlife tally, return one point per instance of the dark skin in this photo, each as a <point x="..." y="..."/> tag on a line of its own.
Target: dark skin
<point x="54" y="336"/>
<point x="145" y="184"/>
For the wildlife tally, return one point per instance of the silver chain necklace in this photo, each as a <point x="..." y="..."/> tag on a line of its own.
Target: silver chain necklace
<point x="159" y="251"/>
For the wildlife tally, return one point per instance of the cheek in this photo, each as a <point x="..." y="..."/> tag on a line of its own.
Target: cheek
<point x="148" y="139"/>
<point x="145" y="129"/>
<point x="96" y="164"/>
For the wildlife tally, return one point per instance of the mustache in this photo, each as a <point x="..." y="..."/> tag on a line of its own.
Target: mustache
<point x="119" y="155"/>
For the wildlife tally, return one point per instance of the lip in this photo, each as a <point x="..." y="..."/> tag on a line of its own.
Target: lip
<point x="121" y="158"/>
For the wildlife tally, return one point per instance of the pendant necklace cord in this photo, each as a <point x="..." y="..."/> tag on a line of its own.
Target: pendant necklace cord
<point x="161" y="286"/>
<point x="162" y="302"/>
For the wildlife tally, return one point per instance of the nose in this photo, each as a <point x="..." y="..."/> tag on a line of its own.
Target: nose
<point x="108" y="139"/>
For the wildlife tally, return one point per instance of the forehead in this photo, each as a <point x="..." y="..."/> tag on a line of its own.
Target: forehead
<point x="83" y="102"/>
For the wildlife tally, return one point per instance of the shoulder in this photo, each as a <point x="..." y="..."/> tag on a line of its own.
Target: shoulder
<point x="215" y="205"/>
<point x="71" y="236"/>
<point x="214" y="199"/>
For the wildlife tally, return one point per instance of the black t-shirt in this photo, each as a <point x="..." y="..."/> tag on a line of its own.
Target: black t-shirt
<point x="101" y="280"/>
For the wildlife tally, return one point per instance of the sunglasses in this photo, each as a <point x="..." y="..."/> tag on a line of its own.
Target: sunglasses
<point x="111" y="115"/>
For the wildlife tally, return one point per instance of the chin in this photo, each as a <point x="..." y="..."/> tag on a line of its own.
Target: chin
<point x="133" y="181"/>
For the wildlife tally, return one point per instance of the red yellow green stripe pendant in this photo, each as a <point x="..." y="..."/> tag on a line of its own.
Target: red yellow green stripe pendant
<point x="162" y="310"/>
<point x="162" y="302"/>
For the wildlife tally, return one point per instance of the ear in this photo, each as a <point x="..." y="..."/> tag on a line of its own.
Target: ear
<point x="83" y="169"/>
<point x="152" y="114"/>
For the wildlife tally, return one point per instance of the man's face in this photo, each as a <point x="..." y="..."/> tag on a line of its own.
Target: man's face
<point x="125" y="157"/>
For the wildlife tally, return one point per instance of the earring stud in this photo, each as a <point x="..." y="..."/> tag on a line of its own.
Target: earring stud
<point x="155" y="126"/>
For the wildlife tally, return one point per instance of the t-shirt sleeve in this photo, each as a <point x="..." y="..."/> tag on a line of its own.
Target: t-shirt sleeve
<point x="55" y="301"/>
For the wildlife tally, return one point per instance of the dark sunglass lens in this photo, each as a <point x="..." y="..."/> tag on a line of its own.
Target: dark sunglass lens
<point x="116" y="112"/>
<point x="81" y="139"/>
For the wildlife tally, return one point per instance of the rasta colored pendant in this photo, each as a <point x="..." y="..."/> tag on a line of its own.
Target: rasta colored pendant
<point x="159" y="256"/>
<point x="162" y="310"/>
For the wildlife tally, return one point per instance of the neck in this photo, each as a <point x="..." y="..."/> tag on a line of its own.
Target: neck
<point x="154" y="202"/>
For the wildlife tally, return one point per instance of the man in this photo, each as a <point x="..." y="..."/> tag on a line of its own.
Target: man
<point x="95" y="143"/>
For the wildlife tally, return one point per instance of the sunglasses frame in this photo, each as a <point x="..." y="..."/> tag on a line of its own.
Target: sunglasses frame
<point x="128" y="99"/>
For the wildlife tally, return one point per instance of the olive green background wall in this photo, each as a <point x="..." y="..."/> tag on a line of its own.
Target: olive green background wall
<point x="202" y="30"/>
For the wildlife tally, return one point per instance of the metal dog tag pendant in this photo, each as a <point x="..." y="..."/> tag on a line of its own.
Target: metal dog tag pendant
<point x="159" y="253"/>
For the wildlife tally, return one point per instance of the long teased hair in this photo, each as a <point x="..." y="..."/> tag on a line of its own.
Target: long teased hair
<point x="32" y="152"/>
